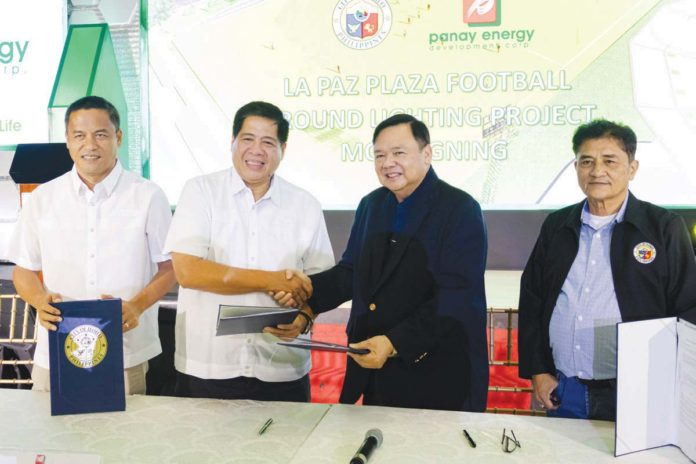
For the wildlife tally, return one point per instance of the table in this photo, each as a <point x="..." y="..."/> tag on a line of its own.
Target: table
<point x="183" y="430"/>
<point x="160" y="429"/>
<point x="427" y="437"/>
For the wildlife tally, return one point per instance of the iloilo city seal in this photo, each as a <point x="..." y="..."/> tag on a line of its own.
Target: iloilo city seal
<point x="86" y="346"/>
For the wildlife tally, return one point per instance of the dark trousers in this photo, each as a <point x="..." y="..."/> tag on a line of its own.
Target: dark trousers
<point x="242" y="388"/>
<point x="585" y="399"/>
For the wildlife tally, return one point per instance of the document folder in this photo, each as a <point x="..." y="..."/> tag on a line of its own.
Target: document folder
<point x="86" y="358"/>
<point x="656" y="386"/>
<point x="233" y="320"/>
<point x="323" y="346"/>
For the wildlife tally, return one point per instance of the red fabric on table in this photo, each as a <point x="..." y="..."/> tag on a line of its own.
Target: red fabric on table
<point x="328" y="368"/>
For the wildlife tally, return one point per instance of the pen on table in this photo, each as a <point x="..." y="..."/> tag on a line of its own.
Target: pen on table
<point x="265" y="426"/>
<point x="468" y="437"/>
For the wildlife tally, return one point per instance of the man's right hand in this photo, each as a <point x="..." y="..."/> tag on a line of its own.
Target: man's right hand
<point x="47" y="313"/>
<point x="543" y="385"/>
<point x="290" y="287"/>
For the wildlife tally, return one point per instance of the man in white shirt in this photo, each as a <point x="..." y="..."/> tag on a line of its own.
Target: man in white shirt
<point x="234" y="237"/>
<point x="95" y="232"/>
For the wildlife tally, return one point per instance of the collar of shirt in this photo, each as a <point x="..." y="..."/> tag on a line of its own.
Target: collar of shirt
<point x="585" y="215"/>
<point x="103" y="189"/>
<point x="413" y="201"/>
<point x="626" y="213"/>
<point x="238" y="187"/>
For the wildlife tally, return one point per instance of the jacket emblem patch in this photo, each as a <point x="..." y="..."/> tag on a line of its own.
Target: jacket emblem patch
<point x="644" y="253"/>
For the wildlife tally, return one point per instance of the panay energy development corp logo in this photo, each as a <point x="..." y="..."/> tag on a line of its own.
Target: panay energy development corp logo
<point x="485" y="32"/>
<point x="482" y="12"/>
<point x="362" y="24"/>
<point x="85" y="346"/>
<point x="12" y="54"/>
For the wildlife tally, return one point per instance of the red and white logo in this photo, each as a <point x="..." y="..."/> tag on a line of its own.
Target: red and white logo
<point x="481" y="12"/>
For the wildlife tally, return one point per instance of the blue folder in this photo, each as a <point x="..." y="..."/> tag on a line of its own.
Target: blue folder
<point x="86" y="358"/>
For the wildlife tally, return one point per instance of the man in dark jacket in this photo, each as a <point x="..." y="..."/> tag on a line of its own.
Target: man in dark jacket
<point x="608" y="259"/>
<point x="413" y="268"/>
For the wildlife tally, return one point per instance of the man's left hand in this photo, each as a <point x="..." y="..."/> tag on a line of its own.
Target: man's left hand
<point x="130" y="314"/>
<point x="288" y="331"/>
<point x="380" y="349"/>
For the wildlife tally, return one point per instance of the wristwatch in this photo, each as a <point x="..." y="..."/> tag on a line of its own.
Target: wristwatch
<point x="310" y="322"/>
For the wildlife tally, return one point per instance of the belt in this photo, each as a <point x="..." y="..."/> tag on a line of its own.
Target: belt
<point x="604" y="383"/>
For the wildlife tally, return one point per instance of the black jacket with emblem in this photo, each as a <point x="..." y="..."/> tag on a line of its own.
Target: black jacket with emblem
<point x="665" y="286"/>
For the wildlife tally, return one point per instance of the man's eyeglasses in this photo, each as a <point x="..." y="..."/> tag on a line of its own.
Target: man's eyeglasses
<point x="510" y="442"/>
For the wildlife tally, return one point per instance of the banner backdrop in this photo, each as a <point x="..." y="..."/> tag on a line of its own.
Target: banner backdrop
<point x="31" y="41"/>
<point x="502" y="85"/>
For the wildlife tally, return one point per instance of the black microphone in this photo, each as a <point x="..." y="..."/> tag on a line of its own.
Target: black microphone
<point x="373" y="438"/>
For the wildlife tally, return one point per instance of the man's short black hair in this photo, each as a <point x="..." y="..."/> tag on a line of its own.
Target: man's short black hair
<point x="418" y="129"/>
<point x="93" y="102"/>
<point x="601" y="128"/>
<point x="264" y="110"/>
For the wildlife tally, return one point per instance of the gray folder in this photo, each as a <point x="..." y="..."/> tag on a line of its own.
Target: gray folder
<point x="234" y="320"/>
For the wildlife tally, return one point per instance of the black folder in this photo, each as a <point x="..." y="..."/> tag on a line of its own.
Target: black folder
<point x="233" y="320"/>
<point x="323" y="346"/>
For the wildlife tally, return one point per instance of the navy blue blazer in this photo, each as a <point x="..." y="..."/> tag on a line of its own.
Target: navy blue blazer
<point x="423" y="288"/>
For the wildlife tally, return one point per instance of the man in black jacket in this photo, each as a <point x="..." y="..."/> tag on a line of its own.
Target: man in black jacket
<point x="413" y="268"/>
<point x="608" y="259"/>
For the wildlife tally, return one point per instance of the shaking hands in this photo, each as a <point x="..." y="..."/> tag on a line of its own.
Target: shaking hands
<point x="291" y="288"/>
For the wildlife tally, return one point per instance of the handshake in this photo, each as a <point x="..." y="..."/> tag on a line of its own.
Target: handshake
<point x="291" y="288"/>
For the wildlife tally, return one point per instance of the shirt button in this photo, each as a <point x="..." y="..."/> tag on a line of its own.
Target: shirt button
<point x="91" y="229"/>
<point x="593" y="262"/>
<point x="579" y="318"/>
<point x="580" y="373"/>
<point x="372" y="306"/>
<point x="587" y="290"/>
<point x="91" y="255"/>
<point x="91" y="282"/>
<point x="577" y="347"/>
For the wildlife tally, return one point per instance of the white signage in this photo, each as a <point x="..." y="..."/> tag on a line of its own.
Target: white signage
<point x="32" y="33"/>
